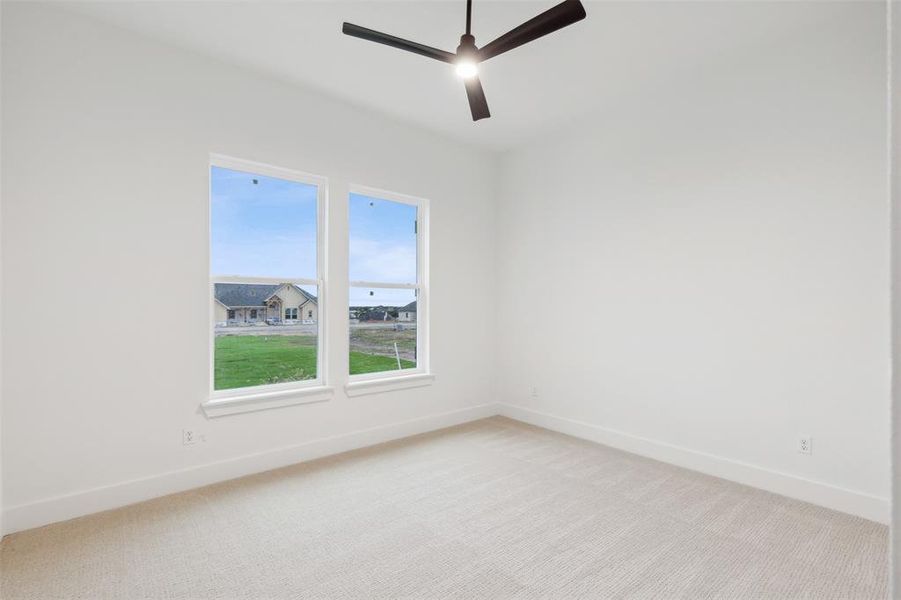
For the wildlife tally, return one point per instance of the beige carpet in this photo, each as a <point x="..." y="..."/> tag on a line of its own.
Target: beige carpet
<point x="492" y="509"/>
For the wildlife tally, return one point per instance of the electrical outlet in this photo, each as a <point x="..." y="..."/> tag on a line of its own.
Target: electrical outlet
<point x="805" y="444"/>
<point x="188" y="437"/>
<point x="534" y="392"/>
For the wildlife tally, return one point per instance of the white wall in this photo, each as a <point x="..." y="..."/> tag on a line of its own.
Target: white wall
<point x="1" y="283"/>
<point x="895" y="99"/>
<point x="716" y="250"/>
<point x="106" y="145"/>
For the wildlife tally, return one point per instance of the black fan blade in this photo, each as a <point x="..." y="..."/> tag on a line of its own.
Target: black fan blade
<point x="396" y="42"/>
<point x="565" y="13"/>
<point x="477" y="102"/>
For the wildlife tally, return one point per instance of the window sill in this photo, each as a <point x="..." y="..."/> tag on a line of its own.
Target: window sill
<point x="219" y="407"/>
<point x="388" y="384"/>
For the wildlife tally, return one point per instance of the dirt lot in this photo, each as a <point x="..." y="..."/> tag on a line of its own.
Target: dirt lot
<point x="379" y="338"/>
<point x="268" y="330"/>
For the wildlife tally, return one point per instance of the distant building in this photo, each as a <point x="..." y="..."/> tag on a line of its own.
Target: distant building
<point x="407" y="313"/>
<point x="369" y="314"/>
<point x="377" y="315"/>
<point x="263" y="304"/>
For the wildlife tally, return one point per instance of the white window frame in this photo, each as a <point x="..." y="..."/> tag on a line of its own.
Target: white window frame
<point x="239" y="400"/>
<point x="368" y="383"/>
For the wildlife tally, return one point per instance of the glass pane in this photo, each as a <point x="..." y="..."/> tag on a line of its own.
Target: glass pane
<point x="382" y="240"/>
<point x="382" y="330"/>
<point x="262" y="226"/>
<point x="264" y="334"/>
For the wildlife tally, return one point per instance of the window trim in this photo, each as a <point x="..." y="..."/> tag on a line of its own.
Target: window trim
<point x="388" y="384"/>
<point x="365" y="383"/>
<point x="245" y="399"/>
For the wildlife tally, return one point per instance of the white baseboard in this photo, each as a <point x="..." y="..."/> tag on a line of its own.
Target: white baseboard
<point x="61" y="508"/>
<point x="816" y="492"/>
<point x="69" y="506"/>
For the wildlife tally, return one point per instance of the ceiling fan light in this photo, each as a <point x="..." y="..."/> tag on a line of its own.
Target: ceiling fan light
<point x="467" y="69"/>
<point x="468" y="55"/>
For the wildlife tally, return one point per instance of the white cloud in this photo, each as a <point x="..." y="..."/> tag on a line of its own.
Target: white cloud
<point x="387" y="262"/>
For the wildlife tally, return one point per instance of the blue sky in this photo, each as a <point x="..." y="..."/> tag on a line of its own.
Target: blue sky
<point x="268" y="229"/>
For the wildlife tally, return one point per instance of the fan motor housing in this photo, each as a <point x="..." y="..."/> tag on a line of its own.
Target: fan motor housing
<point x="467" y="48"/>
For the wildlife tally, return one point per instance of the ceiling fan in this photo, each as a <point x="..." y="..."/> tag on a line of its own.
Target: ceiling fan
<point x="468" y="55"/>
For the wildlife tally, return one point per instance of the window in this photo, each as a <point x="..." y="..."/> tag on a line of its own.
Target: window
<point x="265" y="256"/>
<point x="388" y="267"/>
<point x="309" y="314"/>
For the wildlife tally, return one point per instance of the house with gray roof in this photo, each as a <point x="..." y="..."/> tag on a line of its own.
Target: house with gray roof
<point x="407" y="313"/>
<point x="263" y="304"/>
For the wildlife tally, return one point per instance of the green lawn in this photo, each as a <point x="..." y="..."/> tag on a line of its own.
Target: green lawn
<point x="246" y="360"/>
<point x="360" y="362"/>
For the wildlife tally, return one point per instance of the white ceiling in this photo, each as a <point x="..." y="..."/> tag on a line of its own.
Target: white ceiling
<point x="620" y="48"/>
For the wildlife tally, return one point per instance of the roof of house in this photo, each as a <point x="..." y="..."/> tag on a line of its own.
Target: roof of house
<point x="252" y="294"/>
<point x="411" y="307"/>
